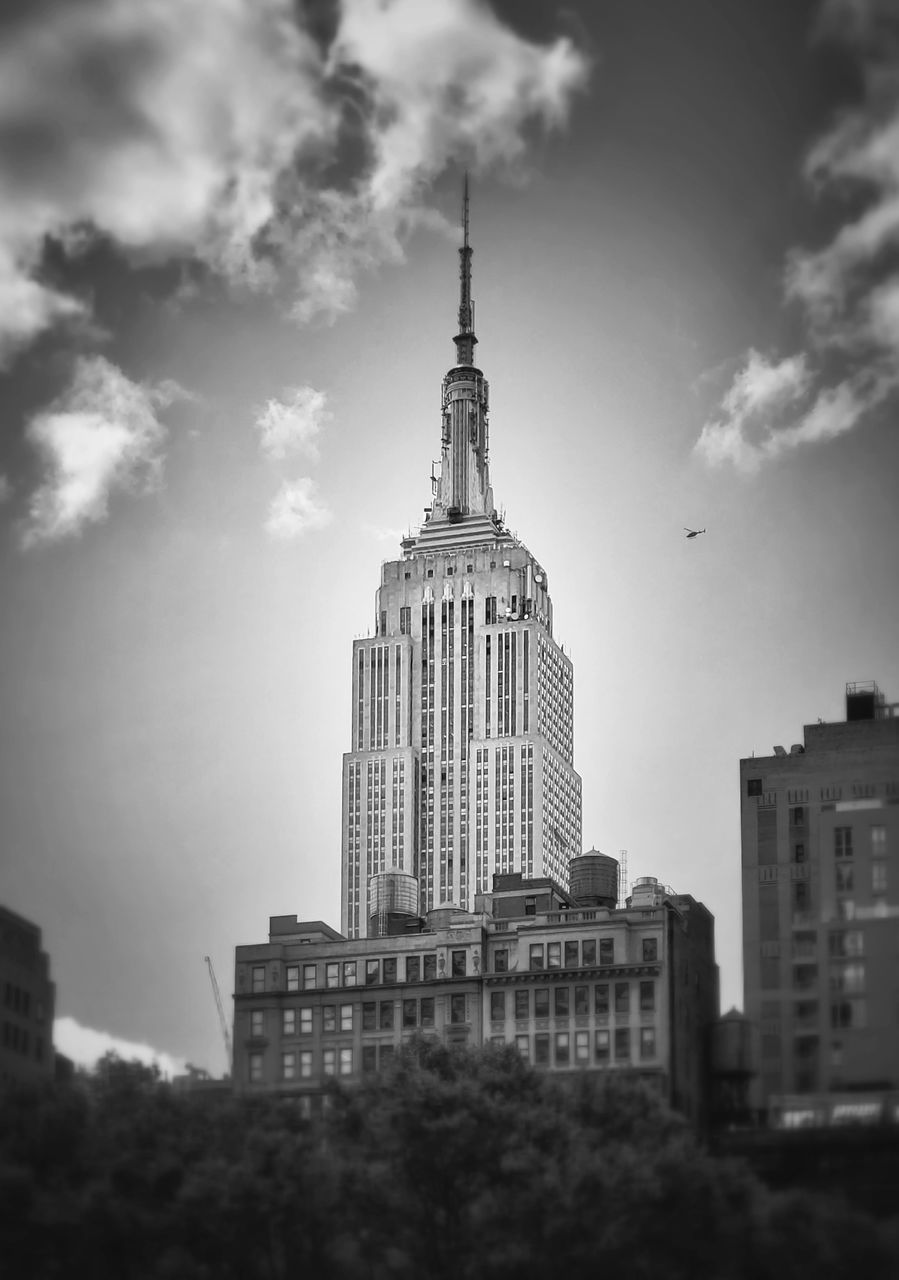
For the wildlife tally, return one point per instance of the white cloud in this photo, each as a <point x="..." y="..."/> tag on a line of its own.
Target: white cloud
<point x="101" y="435"/>
<point x="296" y="509"/>
<point x="85" y="1047"/>
<point x="848" y="289"/>
<point x="382" y="533"/>
<point x="203" y="128"/>
<point x="293" y="425"/>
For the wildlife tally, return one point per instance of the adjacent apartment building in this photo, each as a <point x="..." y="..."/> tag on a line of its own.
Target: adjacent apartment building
<point x="28" y="995"/>
<point x="820" y="855"/>
<point x="575" y="984"/>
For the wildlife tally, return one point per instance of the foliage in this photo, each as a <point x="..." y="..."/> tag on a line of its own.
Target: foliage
<point x="452" y="1164"/>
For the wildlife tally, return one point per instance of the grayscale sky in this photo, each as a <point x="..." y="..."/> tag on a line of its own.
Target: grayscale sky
<point x="228" y="281"/>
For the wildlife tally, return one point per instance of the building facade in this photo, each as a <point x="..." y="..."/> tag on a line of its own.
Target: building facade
<point x="574" y="987"/>
<point x="462" y="742"/>
<point x="28" y="994"/>
<point x="820" y="834"/>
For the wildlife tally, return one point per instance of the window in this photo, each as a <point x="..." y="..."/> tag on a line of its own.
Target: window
<point x="607" y="951"/>
<point x="541" y="1002"/>
<point x="842" y="842"/>
<point x="458" y="964"/>
<point x="847" y="1013"/>
<point x="541" y="1048"/>
<point x="289" y="1065"/>
<point x="647" y="1042"/>
<point x="288" y="1022"/>
<point x="386" y="1055"/>
<point x="536" y="955"/>
<point x="622" y="997"/>
<point x="581" y="1001"/>
<point x="501" y="960"/>
<point x="309" y="980"/>
<point x="601" y="998"/>
<point x="372" y="972"/>
<point x="346" y="1017"/>
<point x="255" y="1067"/>
<point x="430" y="968"/>
<point x="847" y="943"/>
<point x="329" y="1017"/>
<point x="497" y="1006"/>
<point x="258" y="977"/>
<point x="561" y="1002"/>
<point x="878" y="842"/>
<point x="305" y="1064"/>
<point x="390" y="969"/>
<point x="647" y="997"/>
<point x="522" y="1004"/>
<point x="457" y="1008"/>
<point x="413" y="968"/>
<point x="329" y="1062"/>
<point x="650" y="950"/>
<point x="346" y="1061"/>
<point x="427" y="1011"/>
<point x="349" y="973"/>
<point x="843" y="877"/>
<point x="601" y="1045"/>
<point x="489" y="610"/>
<point x="878" y="877"/>
<point x="410" y="1013"/>
<point x="385" y="1015"/>
<point x="523" y="1045"/>
<point x="797" y="816"/>
<point x="332" y="975"/>
<point x="530" y="906"/>
<point x="571" y="955"/>
<point x="554" y="955"/>
<point x="801" y="896"/>
<point x="622" y="1044"/>
<point x="582" y="1047"/>
<point x="563" y="1052"/>
<point x="369" y="1058"/>
<point x="753" y="786"/>
<point x="589" y="950"/>
<point x="257" y="1023"/>
<point x="799" y="852"/>
<point x="306" y="1022"/>
<point x="293" y="977"/>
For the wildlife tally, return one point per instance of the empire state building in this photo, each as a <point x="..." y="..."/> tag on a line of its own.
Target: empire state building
<point x="462" y="759"/>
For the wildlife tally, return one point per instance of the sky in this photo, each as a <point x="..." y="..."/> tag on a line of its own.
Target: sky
<point x="228" y="286"/>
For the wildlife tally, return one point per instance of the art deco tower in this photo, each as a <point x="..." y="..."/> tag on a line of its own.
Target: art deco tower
<point x="462" y="735"/>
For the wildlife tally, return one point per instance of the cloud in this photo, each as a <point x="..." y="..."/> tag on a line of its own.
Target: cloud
<point x="848" y="289"/>
<point x="85" y="1047"/>
<point x="5" y="488"/>
<point x="382" y="533"/>
<point x="100" y="436"/>
<point x="296" y="509"/>
<point x="292" y="425"/>
<point x="221" y="131"/>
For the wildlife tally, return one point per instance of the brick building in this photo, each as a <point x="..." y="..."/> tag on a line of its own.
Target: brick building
<point x="28" y="996"/>
<point x="820" y="851"/>
<point x="574" y="987"/>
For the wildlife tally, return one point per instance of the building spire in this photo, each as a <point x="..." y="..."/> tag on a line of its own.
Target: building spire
<point x="465" y="339"/>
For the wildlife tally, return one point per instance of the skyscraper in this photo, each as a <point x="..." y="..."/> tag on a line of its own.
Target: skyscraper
<point x="462" y="757"/>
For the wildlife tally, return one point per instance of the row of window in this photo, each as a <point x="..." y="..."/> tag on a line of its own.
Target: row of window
<point x="558" y="955"/>
<point x="522" y="1004"/>
<point x="526" y="1003"/>
<point x="16" y="999"/>
<point x="351" y="973"/>
<point x="19" y="1040"/>
<point x="560" y="1049"/>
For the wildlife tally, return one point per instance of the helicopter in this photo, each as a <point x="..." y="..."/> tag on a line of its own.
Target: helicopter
<point x="693" y="533"/>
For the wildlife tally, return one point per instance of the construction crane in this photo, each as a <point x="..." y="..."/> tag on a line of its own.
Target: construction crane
<point x="226" y="1034"/>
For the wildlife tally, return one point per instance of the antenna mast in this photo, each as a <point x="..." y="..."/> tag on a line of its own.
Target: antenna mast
<point x="465" y="339"/>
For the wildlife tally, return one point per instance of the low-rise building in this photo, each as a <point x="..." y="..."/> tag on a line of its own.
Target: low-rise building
<point x="574" y="985"/>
